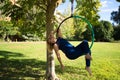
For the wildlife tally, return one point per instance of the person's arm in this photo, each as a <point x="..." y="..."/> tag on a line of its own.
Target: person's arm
<point x="59" y="33"/>
<point x="58" y="55"/>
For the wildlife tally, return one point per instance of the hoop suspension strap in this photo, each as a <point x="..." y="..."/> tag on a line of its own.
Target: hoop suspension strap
<point x="72" y="1"/>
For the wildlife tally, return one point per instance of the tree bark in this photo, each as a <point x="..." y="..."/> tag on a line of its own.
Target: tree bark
<point x="50" y="71"/>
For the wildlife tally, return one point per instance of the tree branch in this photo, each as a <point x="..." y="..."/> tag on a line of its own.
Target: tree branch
<point x="40" y="4"/>
<point x="14" y="3"/>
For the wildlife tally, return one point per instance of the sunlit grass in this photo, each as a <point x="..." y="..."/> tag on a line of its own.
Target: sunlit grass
<point x="27" y="60"/>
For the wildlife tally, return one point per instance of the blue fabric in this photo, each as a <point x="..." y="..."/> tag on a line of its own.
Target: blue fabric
<point x="74" y="52"/>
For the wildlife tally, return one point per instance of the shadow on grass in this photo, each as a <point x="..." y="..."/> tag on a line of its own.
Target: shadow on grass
<point x="15" y="69"/>
<point x="71" y="70"/>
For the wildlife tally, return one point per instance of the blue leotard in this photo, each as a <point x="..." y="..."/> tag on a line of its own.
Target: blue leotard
<point x="70" y="51"/>
<point x="74" y="52"/>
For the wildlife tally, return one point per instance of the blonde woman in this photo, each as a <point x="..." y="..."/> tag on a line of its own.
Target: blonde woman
<point x="69" y="50"/>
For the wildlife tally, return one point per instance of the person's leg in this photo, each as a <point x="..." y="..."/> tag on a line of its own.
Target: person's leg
<point x="88" y="61"/>
<point x="88" y="56"/>
<point x="89" y="70"/>
<point x="84" y="47"/>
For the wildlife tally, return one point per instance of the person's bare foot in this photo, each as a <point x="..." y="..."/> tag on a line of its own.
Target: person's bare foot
<point x="89" y="70"/>
<point x="88" y="56"/>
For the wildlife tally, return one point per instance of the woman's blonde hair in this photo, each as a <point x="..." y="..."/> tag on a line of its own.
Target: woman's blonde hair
<point x="50" y="45"/>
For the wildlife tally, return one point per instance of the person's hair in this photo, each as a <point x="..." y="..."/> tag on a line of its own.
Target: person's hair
<point x="49" y="44"/>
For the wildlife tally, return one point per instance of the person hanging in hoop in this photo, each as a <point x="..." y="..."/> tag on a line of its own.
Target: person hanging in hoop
<point x="69" y="50"/>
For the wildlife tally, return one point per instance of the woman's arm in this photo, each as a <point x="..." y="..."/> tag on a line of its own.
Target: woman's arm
<point x="58" y="55"/>
<point x="59" y="34"/>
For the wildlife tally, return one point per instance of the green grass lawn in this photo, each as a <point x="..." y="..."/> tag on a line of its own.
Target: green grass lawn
<point x="27" y="60"/>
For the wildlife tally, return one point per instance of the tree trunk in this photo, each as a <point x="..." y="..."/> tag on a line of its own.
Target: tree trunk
<point x="50" y="71"/>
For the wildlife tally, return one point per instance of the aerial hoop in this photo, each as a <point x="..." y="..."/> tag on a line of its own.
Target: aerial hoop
<point x="86" y="21"/>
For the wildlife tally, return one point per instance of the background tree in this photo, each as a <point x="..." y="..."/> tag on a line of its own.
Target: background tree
<point x="7" y="29"/>
<point x="116" y="34"/>
<point x="89" y="10"/>
<point x="118" y="0"/>
<point x="104" y="31"/>
<point x="29" y="18"/>
<point x="115" y="16"/>
<point x="87" y="34"/>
